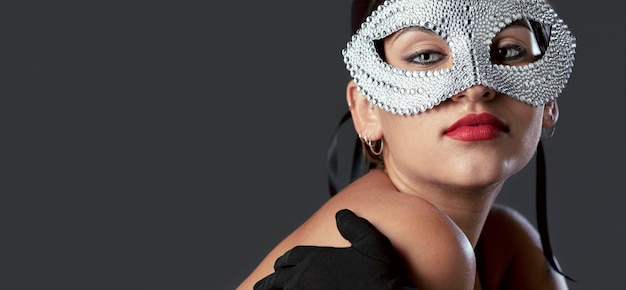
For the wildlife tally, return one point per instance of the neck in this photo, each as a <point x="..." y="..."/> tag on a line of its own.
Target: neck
<point x="467" y="207"/>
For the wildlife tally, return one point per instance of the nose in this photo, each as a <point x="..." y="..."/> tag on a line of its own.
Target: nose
<point x="475" y="93"/>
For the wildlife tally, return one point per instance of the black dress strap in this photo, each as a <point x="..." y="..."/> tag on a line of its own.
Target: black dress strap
<point x="331" y="156"/>
<point x="541" y="208"/>
<point x="359" y="164"/>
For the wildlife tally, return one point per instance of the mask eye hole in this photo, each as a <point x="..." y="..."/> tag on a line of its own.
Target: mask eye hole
<point x="415" y="48"/>
<point x="521" y="42"/>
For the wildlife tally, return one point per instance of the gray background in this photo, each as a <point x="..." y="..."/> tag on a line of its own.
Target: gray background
<point x="171" y="145"/>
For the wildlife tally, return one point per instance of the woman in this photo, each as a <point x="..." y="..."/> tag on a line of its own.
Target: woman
<point x="449" y="99"/>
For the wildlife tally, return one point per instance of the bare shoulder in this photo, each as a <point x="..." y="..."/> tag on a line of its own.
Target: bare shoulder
<point x="433" y="247"/>
<point x="510" y="229"/>
<point x="502" y="217"/>
<point x="512" y="253"/>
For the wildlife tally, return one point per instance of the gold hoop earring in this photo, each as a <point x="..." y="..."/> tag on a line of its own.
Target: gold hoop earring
<point x="371" y="143"/>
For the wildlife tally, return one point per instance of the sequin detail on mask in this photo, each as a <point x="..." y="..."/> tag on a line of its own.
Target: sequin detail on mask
<point x="469" y="28"/>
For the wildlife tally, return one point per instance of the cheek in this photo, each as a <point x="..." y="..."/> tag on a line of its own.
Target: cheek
<point x="526" y="119"/>
<point x="401" y="132"/>
<point x="410" y="139"/>
<point x="529" y="133"/>
<point x="533" y="125"/>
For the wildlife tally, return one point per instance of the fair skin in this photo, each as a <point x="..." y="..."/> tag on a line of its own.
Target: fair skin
<point x="435" y="197"/>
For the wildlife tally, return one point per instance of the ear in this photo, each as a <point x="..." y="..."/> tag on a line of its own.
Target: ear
<point x="550" y="114"/>
<point x="365" y="117"/>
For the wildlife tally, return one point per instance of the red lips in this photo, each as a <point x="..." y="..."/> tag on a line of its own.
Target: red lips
<point x="476" y="127"/>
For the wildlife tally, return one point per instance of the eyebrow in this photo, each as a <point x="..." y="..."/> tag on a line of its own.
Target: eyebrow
<point x="412" y="28"/>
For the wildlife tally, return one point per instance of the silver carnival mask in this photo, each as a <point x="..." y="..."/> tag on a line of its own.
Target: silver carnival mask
<point x="468" y="27"/>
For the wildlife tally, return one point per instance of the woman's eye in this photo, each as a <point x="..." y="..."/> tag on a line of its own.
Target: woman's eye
<point x="507" y="54"/>
<point x="426" y="57"/>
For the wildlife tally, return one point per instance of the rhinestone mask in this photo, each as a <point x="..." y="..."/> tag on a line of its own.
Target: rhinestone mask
<point x="468" y="27"/>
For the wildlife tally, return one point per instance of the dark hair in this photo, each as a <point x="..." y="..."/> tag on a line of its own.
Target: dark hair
<point x="360" y="10"/>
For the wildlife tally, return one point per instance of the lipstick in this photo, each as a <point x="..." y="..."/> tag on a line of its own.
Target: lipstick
<point x="476" y="127"/>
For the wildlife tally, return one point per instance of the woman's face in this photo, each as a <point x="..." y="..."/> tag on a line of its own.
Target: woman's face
<point x="478" y="137"/>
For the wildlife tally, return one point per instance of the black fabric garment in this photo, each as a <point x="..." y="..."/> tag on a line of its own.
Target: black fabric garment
<point x="370" y="263"/>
